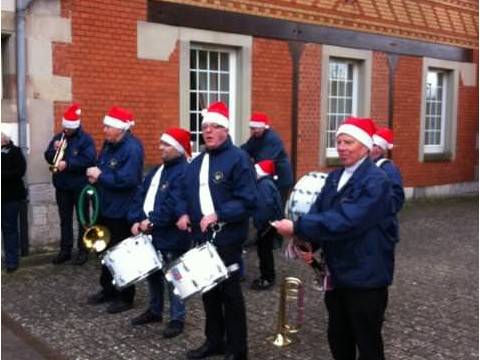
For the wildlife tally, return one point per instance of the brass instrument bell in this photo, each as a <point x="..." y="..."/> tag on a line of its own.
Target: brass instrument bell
<point x="96" y="238"/>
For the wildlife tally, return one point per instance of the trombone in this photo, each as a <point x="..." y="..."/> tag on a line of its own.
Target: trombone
<point x="59" y="154"/>
<point x="96" y="237"/>
<point x="291" y="293"/>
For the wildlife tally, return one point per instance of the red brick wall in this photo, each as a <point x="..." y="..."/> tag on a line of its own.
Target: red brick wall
<point x="309" y="110"/>
<point x="272" y="84"/>
<point x="103" y="65"/>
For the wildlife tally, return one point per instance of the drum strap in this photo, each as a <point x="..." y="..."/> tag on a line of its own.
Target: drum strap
<point x="206" y="201"/>
<point x="233" y="267"/>
<point x="149" y="202"/>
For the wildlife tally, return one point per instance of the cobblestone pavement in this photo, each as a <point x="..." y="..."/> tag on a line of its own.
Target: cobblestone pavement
<point x="432" y="313"/>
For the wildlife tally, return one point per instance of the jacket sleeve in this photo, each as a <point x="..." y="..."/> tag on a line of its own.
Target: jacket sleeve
<point x="85" y="158"/>
<point x="398" y="195"/>
<point x="17" y="167"/>
<point x="365" y="207"/>
<point x="268" y="208"/>
<point x="126" y="177"/>
<point x="135" y="211"/>
<point x="49" y="154"/>
<point x="244" y="197"/>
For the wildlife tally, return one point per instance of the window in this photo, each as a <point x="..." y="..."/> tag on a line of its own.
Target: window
<point x="212" y="78"/>
<point x="342" y="97"/>
<point x="7" y="78"/>
<point x="346" y="83"/>
<point x="438" y="126"/>
<point x="435" y="103"/>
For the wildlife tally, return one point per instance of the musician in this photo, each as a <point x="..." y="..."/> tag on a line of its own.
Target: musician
<point x="269" y="208"/>
<point x="351" y="220"/>
<point x="156" y="209"/>
<point x="70" y="179"/>
<point x="220" y="192"/>
<point x="117" y="176"/>
<point x="265" y="144"/>
<point x="13" y="194"/>
<point x="382" y="143"/>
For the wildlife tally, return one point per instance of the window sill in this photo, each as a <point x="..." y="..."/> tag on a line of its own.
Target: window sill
<point x="437" y="157"/>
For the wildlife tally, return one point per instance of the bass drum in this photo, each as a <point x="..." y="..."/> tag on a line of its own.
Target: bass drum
<point x="304" y="194"/>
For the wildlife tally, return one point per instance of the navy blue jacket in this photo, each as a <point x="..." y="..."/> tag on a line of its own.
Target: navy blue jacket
<point x="353" y="227"/>
<point x="269" y="203"/>
<point x="14" y="167"/>
<point x="80" y="154"/>
<point x="270" y="147"/>
<point x="167" y="207"/>
<point x="233" y="190"/>
<point x="122" y="166"/>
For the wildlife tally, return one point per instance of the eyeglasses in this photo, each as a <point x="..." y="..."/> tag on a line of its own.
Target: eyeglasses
<point x="212" y="126"/>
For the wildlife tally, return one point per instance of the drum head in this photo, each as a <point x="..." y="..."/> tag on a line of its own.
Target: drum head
<point x="304" y="194"/>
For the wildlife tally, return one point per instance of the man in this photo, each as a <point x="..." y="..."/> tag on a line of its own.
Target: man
<point x="220" y="191"/>
<point x="118" y="174"/>
<point x="382" y="142"/>
<point x="69" y="179"/>
<point x="266" y="144"/>
<point x="156" y="210"/>
<point x="351" y="220"/>
<point x="13" y="194"/>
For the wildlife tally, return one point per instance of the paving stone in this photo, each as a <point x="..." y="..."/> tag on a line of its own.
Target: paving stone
<point x="432" y="312"/>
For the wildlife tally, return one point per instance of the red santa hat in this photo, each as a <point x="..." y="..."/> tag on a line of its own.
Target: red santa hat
<point x="383" y="138"/>
<point x="259" y="120"/>
<point x="179" y="139"/>
<point x="359" y="128"/>
<point x="265" y="167"/>
<point x="71" y="117"/>
<point x="217" y="113"/>
<point x="119" y="118"/>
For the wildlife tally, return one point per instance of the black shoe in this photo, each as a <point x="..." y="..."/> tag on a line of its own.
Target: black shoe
<point x="11" y="269"/>
<point x="241" y="356"/>
<point x="98" y="298"/>
<point x="81" y="258"/>
<point x="174" y="328"/>
<point x="61" y="258"/>
<point x="118" y="306"/>
<point x="262" y="284"/>
<point x="204" y="351"/>
<point x="146" y="318"/>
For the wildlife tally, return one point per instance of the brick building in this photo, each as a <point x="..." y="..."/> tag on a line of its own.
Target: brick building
<point x="307" y="63"/>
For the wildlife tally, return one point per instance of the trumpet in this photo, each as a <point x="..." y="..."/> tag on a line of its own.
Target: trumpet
<point x="59" y="154"/>
<point x="291" y="296"/>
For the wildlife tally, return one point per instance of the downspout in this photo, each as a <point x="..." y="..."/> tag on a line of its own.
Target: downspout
<point x="20" y="10"/>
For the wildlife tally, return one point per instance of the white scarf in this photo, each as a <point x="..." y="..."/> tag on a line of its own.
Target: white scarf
<point x="149" y="202"/>
<point x="206" y="202"/>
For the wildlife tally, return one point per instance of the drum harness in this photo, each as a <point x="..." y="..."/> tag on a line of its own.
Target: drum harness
<point x="216" y="228"/>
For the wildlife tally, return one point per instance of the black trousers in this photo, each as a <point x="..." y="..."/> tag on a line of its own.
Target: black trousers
<point x="67" y="201"/>
<point x="355" y="319"/>
<point x="119" y="230"/>
<point x="226" y="321"/>
<point x="265" y="242"/>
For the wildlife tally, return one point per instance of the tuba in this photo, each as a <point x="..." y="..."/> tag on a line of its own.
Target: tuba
<point x="96" y="237"/>
<point x="291" y="302"/>
<point x="59" y="154"/>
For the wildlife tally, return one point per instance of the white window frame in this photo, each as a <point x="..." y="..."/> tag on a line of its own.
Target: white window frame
<point x="440" y="147"/>
<point x="241" y="45"/>
<point x="363" y="58"/>
<point x="447" y="148"/>
<point x="232" y="58"/>
<point x="332" y="151"/>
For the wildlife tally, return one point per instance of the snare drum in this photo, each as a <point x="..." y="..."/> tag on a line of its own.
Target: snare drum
<point x="132" y="260"/>
<point x="198" y="270"/>
<point x="304" y="194"/>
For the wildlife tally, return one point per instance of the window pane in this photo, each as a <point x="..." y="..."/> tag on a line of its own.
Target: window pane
<point x="213" y="81"/>
<point x="224" y="63"/>
<point x="193" y="80"/>
<point x="225" y="82"/>
<point x="214" y="61"/>
<point x="202" y="59"/>
<point x="202" y="77"/>
<point x="193" y="59"/>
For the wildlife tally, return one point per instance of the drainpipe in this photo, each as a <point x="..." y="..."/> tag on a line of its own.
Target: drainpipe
<point x="20" y="10"/>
